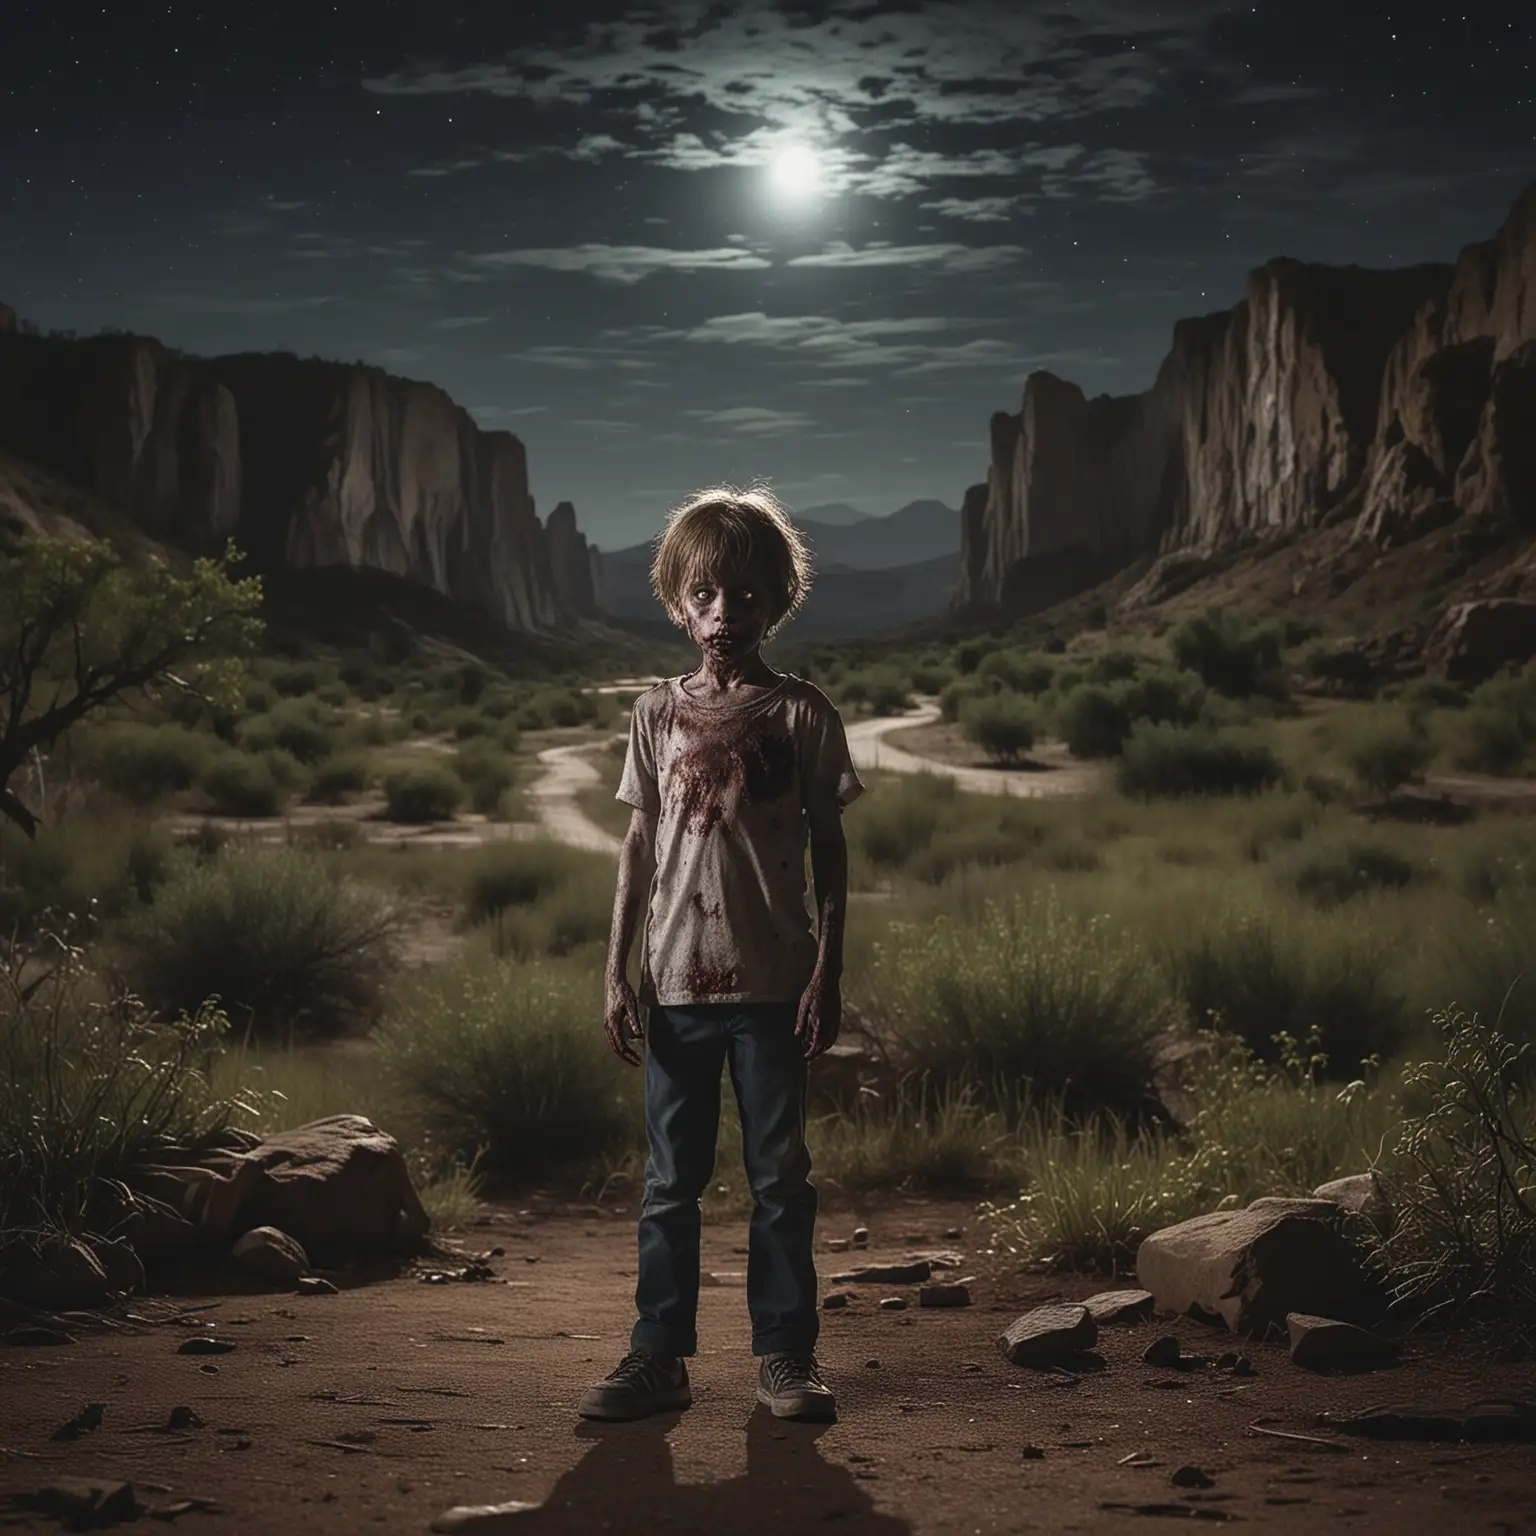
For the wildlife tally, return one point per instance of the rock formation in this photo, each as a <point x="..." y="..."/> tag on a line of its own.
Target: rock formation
<point x="1397" y="399"/>
<point x="571" y="561"/>
<point x="304" y="462"/>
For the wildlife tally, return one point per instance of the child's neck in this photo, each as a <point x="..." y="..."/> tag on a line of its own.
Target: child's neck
<point x="738" y="677"/>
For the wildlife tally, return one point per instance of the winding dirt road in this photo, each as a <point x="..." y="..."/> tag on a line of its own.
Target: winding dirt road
<point x="870" y="749"/>
<point x="566" y="772"/>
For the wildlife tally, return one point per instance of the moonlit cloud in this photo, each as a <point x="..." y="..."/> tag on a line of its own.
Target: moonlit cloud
<point x="754" y="420"/>
<point x="623" y="264"/>
<point x="943" y="257"/>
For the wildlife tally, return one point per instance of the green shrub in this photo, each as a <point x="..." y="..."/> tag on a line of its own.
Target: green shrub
<point x="91" y="1086"/>
<point x="1027" y="998"/>
<point x="539" y="898"/>
<point x="337" y="778"/>
<point x="883" y="688"/>
<point x="1171" y="760"/>
<point x="421" y="795"/>
<point x="1113" y="665"/>
<point x="1017" y="671"/>
<point x="1497" y="731"/>
<point x="1093" y="722"/>
<point x="297" y="727"/>
<point x="1002" y="726"/>
<point x="1463" y="1235"/>
<point x="506" y="1065"/>
<point x="953" y="699"/>
<point x="1387" y="749"/>
<point x="145" y="763"/>
<point x="931" y="677"/>
<point x="1276" y="979"/>
<point x="550" y="707"/>
<point x="237" y="784"/>
<point x="286" y="943"/>
<point x="297" y="678"/>
<point x="1230" y="656"/>
<point x="487" y="774"/>
<point x="1092" y="1192"/>
<point x="968" y="655"/>
<point x="94" y="861"/>
<point x="1326" y="871"/>
<point x="889" y="826"/>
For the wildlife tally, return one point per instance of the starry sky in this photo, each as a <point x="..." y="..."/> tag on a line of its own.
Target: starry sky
<point x="815" y="242"/>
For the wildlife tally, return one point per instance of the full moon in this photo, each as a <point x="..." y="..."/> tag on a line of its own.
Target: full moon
<point x="796" y="170"/>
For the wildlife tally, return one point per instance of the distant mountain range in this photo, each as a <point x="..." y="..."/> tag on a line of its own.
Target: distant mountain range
<point x="873" y="573"/>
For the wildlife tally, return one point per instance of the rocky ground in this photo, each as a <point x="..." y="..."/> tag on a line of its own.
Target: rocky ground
<point x="378" y="1408"/>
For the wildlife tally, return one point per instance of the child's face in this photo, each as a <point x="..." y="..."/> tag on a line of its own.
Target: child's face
<point x="728" y="613"/>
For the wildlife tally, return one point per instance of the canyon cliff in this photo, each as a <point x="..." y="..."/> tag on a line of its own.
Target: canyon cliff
<point x="1396" y="400"/>
<point x="305" y="463"/>
<point x="576" y="564"/>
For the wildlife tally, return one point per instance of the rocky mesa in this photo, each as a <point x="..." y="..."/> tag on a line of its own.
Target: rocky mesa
<point x="303" y="462"/>
<point x="1394" y="400"/>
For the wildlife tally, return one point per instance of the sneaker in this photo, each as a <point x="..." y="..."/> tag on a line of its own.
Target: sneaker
<point x="790" y="1386"/>
<point x="639" y="1385"/>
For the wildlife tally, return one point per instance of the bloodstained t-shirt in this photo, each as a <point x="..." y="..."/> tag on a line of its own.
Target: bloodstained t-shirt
<point x="735" y="790"/>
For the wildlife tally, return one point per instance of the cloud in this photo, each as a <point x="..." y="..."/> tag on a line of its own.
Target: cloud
<point x="622" y="264"/>
<point x="939" y="257"/>
<point x="754" y="420"/>
<point x="492" y="416"/>
<point x="980" y="210"/>
<point x="601" y="425"/>
<point x="459" y="322"/>
<point x="249" y="307"/>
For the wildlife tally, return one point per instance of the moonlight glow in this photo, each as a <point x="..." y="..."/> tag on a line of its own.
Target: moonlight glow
<point x="796" y="171"/>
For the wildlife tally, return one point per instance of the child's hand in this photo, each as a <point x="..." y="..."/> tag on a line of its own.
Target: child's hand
<point x="621" y="1018"/>
<point x="821" y="1014"/>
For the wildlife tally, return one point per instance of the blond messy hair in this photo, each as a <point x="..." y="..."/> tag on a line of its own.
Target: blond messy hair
<point x="725" y="529"/>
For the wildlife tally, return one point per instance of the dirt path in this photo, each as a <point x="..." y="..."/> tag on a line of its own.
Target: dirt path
<point x="376" y="1409"/>
<point x="566" y="772"/>
<point x="868" y="741"/>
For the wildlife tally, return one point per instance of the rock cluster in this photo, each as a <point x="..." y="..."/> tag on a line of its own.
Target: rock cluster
<point x="304" y="462"/>
<point x="1398" y="400"/>
<point x="335" y="1186"/>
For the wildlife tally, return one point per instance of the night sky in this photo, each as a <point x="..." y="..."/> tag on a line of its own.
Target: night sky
<point x="590" y="223"/>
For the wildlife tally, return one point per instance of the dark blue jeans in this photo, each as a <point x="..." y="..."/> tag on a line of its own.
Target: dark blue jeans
<point x="686" y="1049"/>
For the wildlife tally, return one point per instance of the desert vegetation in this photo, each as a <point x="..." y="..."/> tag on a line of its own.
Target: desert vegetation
<point x="1240" y="966"/>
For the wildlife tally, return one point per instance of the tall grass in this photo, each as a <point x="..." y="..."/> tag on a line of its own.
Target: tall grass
<point x="504" y="1064"/>
<point x="287" y="944"/>
<point x="1030" y="999"/>
<point x="91" y="1084"/>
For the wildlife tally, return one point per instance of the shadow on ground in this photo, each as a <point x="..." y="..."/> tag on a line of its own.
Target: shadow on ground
<point x="626" y="1481"/>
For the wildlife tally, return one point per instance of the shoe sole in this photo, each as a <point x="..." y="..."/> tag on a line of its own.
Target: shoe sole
<point x="621" y="1415"/>
<point x="811" y="1412"/>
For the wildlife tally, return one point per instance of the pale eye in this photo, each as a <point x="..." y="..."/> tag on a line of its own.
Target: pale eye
<point x="701" y="595"/>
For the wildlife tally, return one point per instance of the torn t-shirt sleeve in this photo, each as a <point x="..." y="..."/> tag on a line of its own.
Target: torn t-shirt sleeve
<point x="638" y="786"/>
<point x="828" y="776"/>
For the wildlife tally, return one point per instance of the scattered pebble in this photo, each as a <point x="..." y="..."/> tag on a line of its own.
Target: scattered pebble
<point x="1192" y="1477"/>
<point x="1047" y="1335"/>
<point x="860" y="1237"/>
<point x="838" y="1244"/>
<point x="1032" y="1453"/>
<point x="183" y="1417"/>
<point x="479" y="1517"/>
<point x="952" y="1233"/>
<point x="314" y="1285"/>
<point x="893" y="1304"/>
<point x="88" y="1419"/>
<point x="955" y="1295"/>
<point x="872" y="1365"/>
<point x="1163" y="1352"/>
<point x="835" y="1299"/>
<point x="203" y="1345"/>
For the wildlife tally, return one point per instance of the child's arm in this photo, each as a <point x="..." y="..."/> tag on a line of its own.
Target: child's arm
<point x="821" y="1007"/>
<point x="637" y="866"/>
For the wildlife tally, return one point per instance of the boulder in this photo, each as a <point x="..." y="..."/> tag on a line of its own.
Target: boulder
<point x="187" y="1204"/>
<point x="59" y="1274"/>
<point x="1358" y="1194"/>
<point x="271" y="1253"/>
<point x="1324" y="1343"/>
<point x="1250" y="1268"/>
<point x="1475" y="640"/>
<point x="1049" y="1335"/>
<point x="336" y="1183"/>
<point x="1121" y="1306"/>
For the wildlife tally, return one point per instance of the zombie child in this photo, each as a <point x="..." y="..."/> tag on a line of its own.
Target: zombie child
<point x="731" y="769"/>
